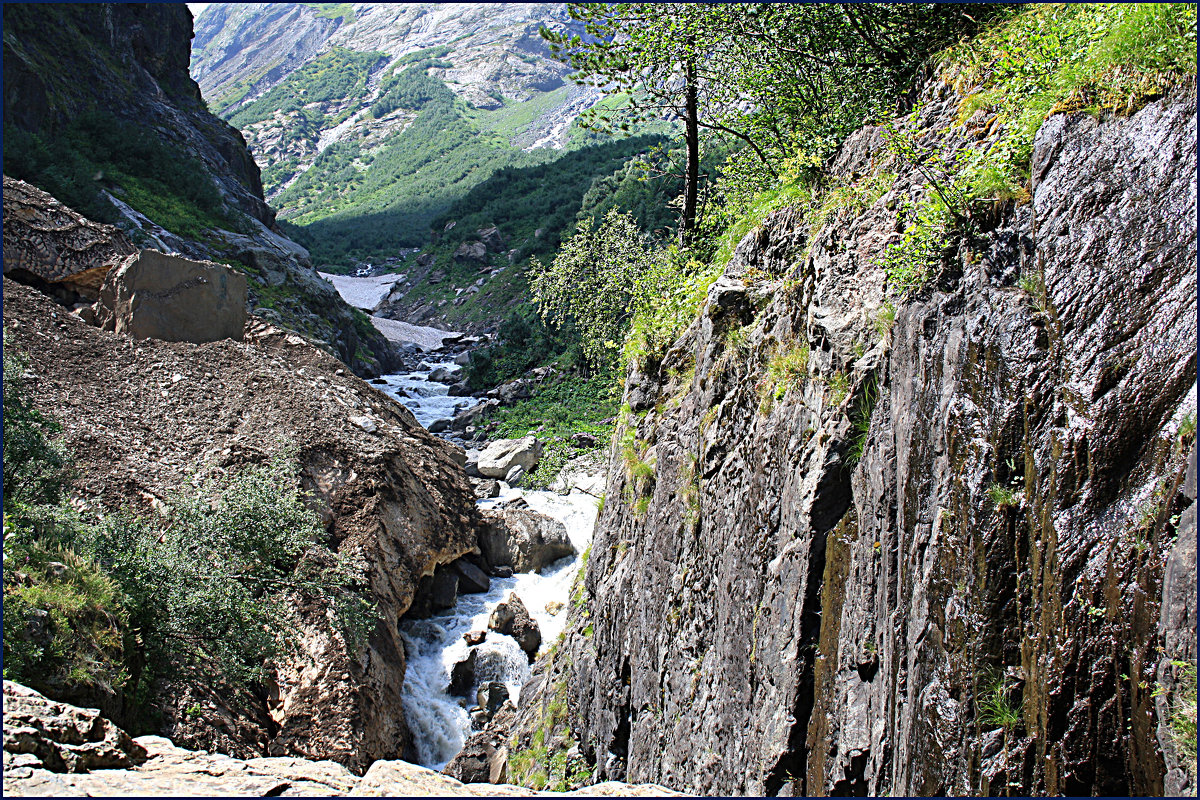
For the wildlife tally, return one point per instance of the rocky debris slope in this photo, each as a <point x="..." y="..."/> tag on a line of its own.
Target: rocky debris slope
<point x="129" y="61"/>
<point x="40" y="730"/>
<point x="141" y="416"/>
<point x="916" y="549"/>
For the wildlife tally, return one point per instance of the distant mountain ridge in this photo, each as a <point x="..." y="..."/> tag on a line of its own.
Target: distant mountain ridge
<point x="490" y="57"/>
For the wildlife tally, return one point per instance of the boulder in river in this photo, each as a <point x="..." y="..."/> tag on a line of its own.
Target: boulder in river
<point x="511" y="618"/>
<point x="462" y="674"/>
<point x="444" y="375"/>
<point x="460" y="389"/>
<point x="522" y="539"/>
<point x="503" y="454"/>
<point x="491" y="696"/>
<point x="486" y="489"/>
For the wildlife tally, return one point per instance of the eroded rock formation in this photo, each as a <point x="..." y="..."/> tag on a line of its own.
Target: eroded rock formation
<point x="157" y="768"/>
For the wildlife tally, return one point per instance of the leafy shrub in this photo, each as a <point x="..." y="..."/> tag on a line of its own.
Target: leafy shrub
<point x="36" y="468"/>
<point x="995" y="707"/>
<point x="209" y="593"/>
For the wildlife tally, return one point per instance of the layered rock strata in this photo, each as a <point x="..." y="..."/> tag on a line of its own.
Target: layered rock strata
<point x="915" y="548"/>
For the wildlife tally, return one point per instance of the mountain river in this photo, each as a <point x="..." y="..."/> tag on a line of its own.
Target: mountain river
<point x="438" y="720"/>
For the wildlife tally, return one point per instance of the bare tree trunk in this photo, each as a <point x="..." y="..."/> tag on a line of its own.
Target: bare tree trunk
<point x="691" y="183"/>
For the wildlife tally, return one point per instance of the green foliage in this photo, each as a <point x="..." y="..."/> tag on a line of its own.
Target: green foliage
<point x="210" y="592"/>
<point x="1181" y="717"/>
<point x="839" y="388"/>
<point x="342" y="12"/>
<point x="546" y="199"/>
<point x="352" y="206"/>
<point x="411" y="89"/>
<point x="555" y="412"/>
<point x="36" y="467"/>
<point x="64" y="627"/>
<point x="1060" y="57"/>
<point x="860" y="420"/>
<point x="560" y="409"/>
<point x="1002" y="496"/>
<point x="522" y="342"/>
<point x="910" y="263"/>
<point x="62" y="622"/>
<point x="885" y="318"/>
<point x="994" y="706"/>
<point x="787" y="369"/>
<point x="598" y="281"/>
<point x="332" y="76"/>
<point x="97" y="151"/>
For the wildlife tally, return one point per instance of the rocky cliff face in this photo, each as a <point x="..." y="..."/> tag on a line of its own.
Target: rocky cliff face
<point x="923" y="555"/>
<point x="129" y="61"/>
<point x="140" y="416"/>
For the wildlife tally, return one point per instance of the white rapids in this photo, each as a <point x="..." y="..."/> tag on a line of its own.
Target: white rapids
<point x="428" y="401"/>
<point x="438" y="720"/>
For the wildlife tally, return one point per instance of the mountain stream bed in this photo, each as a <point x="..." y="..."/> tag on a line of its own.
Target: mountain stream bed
<point x="438" y="720"/>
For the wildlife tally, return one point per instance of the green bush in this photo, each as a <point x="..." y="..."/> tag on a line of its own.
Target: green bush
<point x="62" y="620"/>
<point x="97" y="151"/>
<point x="209" y="589"/>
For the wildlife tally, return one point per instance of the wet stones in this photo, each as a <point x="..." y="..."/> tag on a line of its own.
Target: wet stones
<point x="511" y="618"/>
<point x="503" y="454"/>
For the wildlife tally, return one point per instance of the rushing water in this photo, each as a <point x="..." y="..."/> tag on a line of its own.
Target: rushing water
<point x="428" y="401"/>
<point x="438" y="720"/>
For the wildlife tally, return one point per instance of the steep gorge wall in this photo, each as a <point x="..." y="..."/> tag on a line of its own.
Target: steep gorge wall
<point x="779" y="611"/>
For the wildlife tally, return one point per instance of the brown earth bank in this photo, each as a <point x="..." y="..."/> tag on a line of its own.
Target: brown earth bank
<point x="926" y="557"/>
<point x="57" y="750"/>
<point x="141" y="417"/>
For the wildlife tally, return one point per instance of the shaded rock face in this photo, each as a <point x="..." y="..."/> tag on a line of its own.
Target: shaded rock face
<point x="1177" y="635"/>
<point x="804" y="608"/>
<point x="130" y="61"/>
<point x="156" y="296"/>
<point x="48" y="245"/>
<point x="391" y="494"/>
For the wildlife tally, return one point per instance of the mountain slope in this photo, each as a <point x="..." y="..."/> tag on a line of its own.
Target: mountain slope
<point x="101" y="113"/>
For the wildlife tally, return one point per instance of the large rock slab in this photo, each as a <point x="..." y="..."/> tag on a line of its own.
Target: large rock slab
<point x="152" y="295"/>
<point x="60" y="737"/>
<point x="522" y="539"/>
<point x="502" y="455"/>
